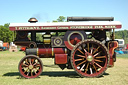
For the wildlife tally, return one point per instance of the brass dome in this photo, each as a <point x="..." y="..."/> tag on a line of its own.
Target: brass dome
<point x="32" y="20"/>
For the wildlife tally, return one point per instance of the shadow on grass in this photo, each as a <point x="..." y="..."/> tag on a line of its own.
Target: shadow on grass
<point x="51" y="66"/>
<point x="69" y="74"/>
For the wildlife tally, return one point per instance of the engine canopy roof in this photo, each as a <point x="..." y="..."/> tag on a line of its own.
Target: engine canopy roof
<point x="66" y="25"/>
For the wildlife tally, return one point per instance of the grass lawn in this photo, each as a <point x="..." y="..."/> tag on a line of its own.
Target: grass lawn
<point x="53" y="75"/>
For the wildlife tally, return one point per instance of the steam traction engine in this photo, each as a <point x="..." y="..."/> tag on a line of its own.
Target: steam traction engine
<point x="80" y="44"/>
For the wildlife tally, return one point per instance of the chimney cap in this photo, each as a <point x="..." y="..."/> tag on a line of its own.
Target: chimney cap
<point x="32" y="20"/>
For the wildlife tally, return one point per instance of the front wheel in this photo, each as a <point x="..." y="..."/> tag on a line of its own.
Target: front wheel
<point x="89" y="58"/>
<point x="30" y="66"/>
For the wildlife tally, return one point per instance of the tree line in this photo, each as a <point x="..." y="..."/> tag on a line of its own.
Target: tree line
<point x="5" y="34"/>
<point x="123" y="34"/>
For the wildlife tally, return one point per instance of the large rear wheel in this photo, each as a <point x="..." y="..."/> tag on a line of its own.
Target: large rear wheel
<point x="90" y="58"/>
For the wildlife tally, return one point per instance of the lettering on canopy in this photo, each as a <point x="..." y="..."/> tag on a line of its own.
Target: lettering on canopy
<point x="65" y="27"/>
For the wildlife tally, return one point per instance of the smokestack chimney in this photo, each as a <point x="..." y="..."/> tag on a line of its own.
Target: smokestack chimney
<point x="33" y="20"/>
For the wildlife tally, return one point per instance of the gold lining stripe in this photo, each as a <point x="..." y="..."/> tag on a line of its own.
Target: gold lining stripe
<point x="52" y="51"/>
<point x="65" y="50"/>
<point x="47" y="35"/>
<point x="37" y="52"/>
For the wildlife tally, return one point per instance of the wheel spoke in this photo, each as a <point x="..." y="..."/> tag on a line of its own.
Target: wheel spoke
<point x="88" y="46"/>
<point x="97" y="54"/>
<point x="96" y="49"/>
<point x="35" y="72"/>
<point x="31" y="73"/>
<point x="78" y="59"/>
<point x="98" y="65"/>
<point x="82" y="67"/>
<point x="36" y="69"/>
<point x="100" y="57"/>
<point x="25" y="65"/>
<point x="85" y="50"/>
<point x="37" y="65"/>
<point x="26" y="70"/>
<point x="86" y="67"/>
<point x="91" y="70"/>
<point x="94" y="68"/>
<point x="98" y="60"/>
<point x="27" y="73"/>
<point x="91" y="50"/>
<point x="80" y="51"/>
<point x="81" y="63"/>
<point x="30" y="61"/>
<point x="81" y="56"/>
<point x="26" y="61"/>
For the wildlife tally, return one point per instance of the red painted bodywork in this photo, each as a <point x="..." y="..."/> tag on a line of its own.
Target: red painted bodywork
<point x="47" y="51"/>
<point x="68" y="45"/>
<point x="60" y="58"/>
<point x="112" y="45"/>
<point x="50" y="52"/>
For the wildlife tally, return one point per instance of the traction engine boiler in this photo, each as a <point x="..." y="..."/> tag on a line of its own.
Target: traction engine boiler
<point x="78" y="44"/>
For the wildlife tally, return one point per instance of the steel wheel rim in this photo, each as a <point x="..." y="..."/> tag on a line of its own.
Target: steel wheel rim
<point x="30" y="66"/>
<point x="88" y="62"/>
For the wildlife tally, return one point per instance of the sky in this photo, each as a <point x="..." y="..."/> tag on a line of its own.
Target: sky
<point x="19" y="11"/>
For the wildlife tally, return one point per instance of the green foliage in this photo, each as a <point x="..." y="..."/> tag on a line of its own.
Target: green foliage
<point x="54" y="21"/>
<point x="39" y="37"/>
<point x="60" y="19"/>
<point x="6" y="25"/>
<point x="5" y="34"/>
<point x="123" y="34"/>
